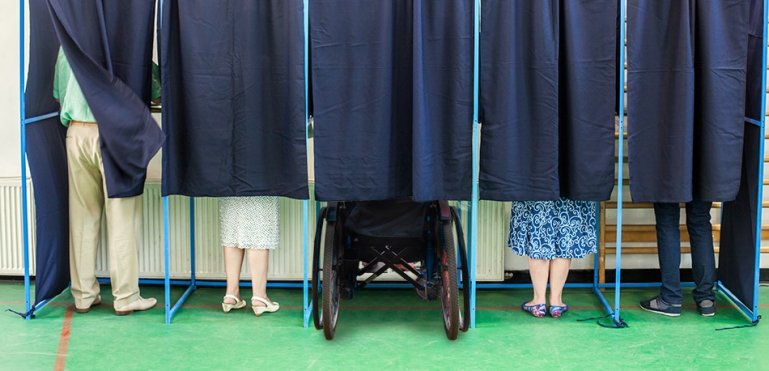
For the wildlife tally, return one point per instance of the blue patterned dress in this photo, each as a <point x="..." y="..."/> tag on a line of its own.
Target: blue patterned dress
<point x="546" y="230"/>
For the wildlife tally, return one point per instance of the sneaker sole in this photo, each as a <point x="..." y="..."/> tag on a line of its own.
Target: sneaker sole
<point x="708" y="314"/>
<point x="662" y="313"/>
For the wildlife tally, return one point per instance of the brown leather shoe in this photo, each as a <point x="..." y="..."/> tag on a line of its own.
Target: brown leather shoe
<point x="139" y="304"/>
<point x="86" y="310"/>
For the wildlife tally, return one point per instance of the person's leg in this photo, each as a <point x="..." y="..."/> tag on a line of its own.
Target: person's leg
<point x="124" y="217"/>
<point x="668" y="302"/>
<point x="258" y="261"/>
<point x="233" y="261"/>
<point x="539" y="270"/>
<point x="559" y="270"/>
<point x="86" y="200"/>
<point x="703" y="257"/>
<point x="668" y="217"/>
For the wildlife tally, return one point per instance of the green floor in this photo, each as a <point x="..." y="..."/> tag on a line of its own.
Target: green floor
<point x="377" y="330"/>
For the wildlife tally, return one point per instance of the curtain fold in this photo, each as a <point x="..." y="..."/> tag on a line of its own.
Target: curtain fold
<point x="392" y="99"/>
<point x="118" y="94"/>
<point x="740" y="222"/>
<point x="548" y="71"/>
<point x="233" y="98"/>
<point x="686" y="98"/>
<point x="47" y="158"/>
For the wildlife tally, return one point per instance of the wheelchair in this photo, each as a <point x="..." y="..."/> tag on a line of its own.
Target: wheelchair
<point x="420" y="241"/>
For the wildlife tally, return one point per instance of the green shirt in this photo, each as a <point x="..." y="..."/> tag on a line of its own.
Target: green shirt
<point x="66" y="89"/>
<point x="74" y="107"/>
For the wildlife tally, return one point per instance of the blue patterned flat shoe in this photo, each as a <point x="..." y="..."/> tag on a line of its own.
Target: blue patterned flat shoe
<point x="557" y="310"/>
<point x="536" y="310"/>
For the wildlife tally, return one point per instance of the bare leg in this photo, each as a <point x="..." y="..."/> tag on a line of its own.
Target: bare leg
<point x="539" y="270"/>
<point x="233" y="261"/>
<point x="559" y="270"/>
<point x="258" y="261"/>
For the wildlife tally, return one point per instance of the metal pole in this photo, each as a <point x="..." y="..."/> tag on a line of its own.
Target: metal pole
<point x="759" y="197"/>
<point x="472" y="225"/>
<point x="192" y="242"/>
<point x="166" y="256"/>
<point x="22" y="117"/>
<point x="621" y="154"/>
<point x="306" y="203"/>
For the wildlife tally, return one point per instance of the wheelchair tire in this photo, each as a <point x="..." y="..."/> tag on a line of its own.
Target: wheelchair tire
<point x="331" y="254"/>
<point x="316" y="269"/>
<point x="447" y="260"/>
<point x="465" y="269"/>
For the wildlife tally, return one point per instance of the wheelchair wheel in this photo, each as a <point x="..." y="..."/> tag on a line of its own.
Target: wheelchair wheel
<point x="331" y="255"/>
<point x="465" y="269"/>
<point x="449" y="291"/>
<point x="316" y="269"/>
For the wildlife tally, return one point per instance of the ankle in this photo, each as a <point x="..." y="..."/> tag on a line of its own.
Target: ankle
<point x="230" y="300"/>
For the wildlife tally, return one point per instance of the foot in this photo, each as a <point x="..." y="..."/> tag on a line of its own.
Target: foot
<point x="231" y="302"/>
<point x="138" y="304"/>
<point x="536" y="310"/>
<point x="96" y="302"/>
<point x="659" y="306"/>
<point x="707" y="308"/>
<point x="261" y="305"/>
<point x="558" y="310"/>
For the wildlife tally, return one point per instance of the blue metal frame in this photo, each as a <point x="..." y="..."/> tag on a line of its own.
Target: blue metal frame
<point x="472" y="206"/>
<point x="759" y="207"/>
<point x="23" y="121"/>
<point x="472" y="225"/>
<point x="306" y="304"/>
<point x="620" y="167"/>
<point x="192" y="283"/>
<point x="22" y="116"/>
<point x="752" y="313"/>
<point x="613" y="312"/>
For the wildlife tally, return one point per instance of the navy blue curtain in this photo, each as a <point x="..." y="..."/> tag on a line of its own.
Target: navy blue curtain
<point x="392" y="99"/>
<point x="118" y="92"/>
<point x="548" y="71"/>
<point x="47" y="158"/>
<point x="686" y="98"/>
<point x="737" y="257"/>
<point x="233" y="98"/>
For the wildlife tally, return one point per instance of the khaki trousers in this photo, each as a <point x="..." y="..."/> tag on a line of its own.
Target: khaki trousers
<point x="87" y="203"/>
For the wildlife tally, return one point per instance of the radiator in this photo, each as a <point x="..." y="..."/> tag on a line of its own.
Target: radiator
<point x="286" y="262"/>
<point x="11" y="237"/>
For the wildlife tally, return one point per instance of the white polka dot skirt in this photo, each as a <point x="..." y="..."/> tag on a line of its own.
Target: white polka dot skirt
<point x="250" y="222"/>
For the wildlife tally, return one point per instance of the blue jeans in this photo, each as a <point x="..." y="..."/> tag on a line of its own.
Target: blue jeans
<point x="669" y="246"/>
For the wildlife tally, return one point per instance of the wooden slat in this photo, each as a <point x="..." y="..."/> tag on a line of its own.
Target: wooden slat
<point x="645" y="205"/>
<point x="648" y="233"/>
<point x="653" y="250"/>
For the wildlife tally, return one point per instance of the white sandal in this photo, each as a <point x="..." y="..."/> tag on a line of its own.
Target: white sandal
<point x="227" y="307"/>
<point x="269" y="307"/>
